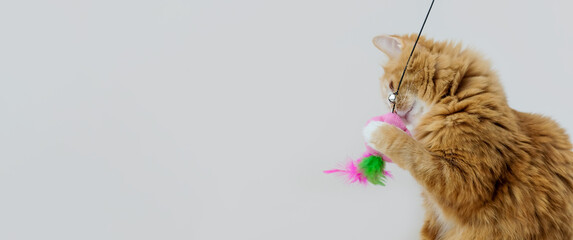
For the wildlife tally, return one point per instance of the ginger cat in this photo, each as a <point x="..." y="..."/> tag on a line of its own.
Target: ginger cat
<point x="488" y="171"/>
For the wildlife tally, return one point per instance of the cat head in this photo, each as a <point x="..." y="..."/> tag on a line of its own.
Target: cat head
<point x="434" y="73"/>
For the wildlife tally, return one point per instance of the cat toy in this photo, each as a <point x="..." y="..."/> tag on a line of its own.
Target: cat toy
<point x="371" y="166"/>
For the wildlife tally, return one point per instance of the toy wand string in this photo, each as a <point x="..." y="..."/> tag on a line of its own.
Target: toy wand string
<point x="370" y="167"/>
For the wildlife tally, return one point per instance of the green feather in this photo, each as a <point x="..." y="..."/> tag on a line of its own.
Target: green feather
<point x="373" y="169"/>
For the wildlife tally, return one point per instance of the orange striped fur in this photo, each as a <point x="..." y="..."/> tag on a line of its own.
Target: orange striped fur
<point x="488" y="171"/>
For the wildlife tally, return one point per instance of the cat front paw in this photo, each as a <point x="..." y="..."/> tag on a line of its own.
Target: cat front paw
<point x="373" y="133"/>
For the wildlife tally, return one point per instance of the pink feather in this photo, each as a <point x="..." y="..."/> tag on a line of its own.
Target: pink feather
<point x="351" y="170"/>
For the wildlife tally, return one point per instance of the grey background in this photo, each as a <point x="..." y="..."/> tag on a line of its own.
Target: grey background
<point x="205" y="120"/>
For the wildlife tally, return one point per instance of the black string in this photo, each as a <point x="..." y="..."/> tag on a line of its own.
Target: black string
<point x="412" y="52"/>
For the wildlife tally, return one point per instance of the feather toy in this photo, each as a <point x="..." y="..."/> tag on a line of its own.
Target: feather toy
<point x="370" y="167"/>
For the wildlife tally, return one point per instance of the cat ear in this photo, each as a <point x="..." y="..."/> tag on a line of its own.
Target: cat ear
<point x="389" y="45"/>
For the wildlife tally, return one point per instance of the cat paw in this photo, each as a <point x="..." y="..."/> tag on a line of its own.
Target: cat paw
<point x="372" y="133"/>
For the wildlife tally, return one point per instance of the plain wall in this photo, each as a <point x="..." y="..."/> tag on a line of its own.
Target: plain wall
<point x="206" y="120"/>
